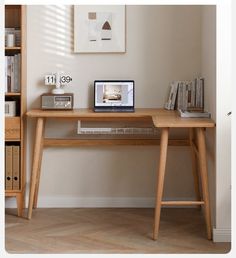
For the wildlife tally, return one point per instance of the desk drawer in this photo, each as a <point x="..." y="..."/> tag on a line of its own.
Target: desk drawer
<point x="12" y="128"/>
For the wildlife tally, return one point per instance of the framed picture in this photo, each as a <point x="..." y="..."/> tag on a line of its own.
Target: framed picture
<point x="99" y="28"/>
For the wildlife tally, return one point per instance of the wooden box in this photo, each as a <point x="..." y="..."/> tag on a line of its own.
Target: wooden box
<point x="12" y="128"/>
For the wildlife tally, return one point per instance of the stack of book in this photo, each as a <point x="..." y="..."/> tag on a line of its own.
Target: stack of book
<point x="12" y="167"/>
<point x="188" y="98"/>
<point x="12" y="73"/>
<point x="16" y="32"/>
<point x="186" y="94"/>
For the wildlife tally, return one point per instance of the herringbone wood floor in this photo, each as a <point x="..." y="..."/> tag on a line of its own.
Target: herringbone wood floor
<point x="107" y="230"/>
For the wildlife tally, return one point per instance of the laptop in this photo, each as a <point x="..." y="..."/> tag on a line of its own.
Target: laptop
<point x="114" y="96"/>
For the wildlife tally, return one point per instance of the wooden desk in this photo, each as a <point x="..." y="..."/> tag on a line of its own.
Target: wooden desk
<point x="162" y="119"/>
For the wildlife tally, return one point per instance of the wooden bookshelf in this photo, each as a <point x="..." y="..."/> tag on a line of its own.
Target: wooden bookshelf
<point x="15" y="127"/>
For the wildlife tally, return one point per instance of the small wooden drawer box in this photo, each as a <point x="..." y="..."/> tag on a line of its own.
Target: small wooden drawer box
<point x="12" y="128"/>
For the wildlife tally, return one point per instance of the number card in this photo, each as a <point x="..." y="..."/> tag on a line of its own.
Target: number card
<point x="50" y="79"/>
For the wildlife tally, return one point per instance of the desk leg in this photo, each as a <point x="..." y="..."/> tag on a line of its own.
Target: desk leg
<point x="204" y="178"/>
<point x="194" y="165"/>
<point x="160" y="179"/>
<point x="38" y="174"/>
<point x="36" y="159"/>
<point x="20" y="204"/>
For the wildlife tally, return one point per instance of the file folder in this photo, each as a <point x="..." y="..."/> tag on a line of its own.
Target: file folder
<point x="8" y="167"/>
<point x="16" y="167"/>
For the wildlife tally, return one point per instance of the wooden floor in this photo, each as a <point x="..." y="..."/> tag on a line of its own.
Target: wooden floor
<point x="108" y="230"/>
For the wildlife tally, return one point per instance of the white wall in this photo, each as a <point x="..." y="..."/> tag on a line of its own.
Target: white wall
<point x="163" y="44"/>
<point x="208" y="71"/>
<point x="218" y="87"/>
<point x="223" y="139"/>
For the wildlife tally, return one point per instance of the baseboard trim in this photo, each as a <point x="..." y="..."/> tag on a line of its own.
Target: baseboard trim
<point x="89" y="202"/>
<point x="92" y="202"/>
<point x="221" y="235"/>
<point x="98" y="202"/>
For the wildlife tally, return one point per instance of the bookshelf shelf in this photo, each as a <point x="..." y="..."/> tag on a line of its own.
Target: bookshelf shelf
<point x="10" y="94"/>
<point x="15" y="22"/>
<point x="12" y="192"/>
<point x="9" y="140"/>
<point x="12" y="48"/>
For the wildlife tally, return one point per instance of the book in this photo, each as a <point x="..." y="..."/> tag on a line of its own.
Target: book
<point x="175" y="86"/>
<point x="6" y="83"/>
<point x="180" y="98"/>
<point x="193" y="93"/>
<point x="199" y="84"/>
<point x="168" y="103"/>
<point x="194" y="113"/>
<point x="12" y="73"/>
<point x="8" y="65"/>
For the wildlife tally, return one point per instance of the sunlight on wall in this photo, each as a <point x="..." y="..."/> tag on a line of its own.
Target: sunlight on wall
<point x="56" y="34"/>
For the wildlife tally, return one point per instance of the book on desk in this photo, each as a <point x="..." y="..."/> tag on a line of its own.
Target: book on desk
<point x="194" y="113"/>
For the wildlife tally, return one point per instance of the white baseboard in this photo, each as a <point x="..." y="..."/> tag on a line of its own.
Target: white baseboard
<point x="221" y="235"/>
<point x="92" y="202"/>
<point x="98" y="202"/>
<point x="89" y="202"/>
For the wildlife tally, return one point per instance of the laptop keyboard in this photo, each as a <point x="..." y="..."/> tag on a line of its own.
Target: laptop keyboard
<point x="114" y="110"/>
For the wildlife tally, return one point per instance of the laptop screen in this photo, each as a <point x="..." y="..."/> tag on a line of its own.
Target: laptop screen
<point x="114" y="93"/>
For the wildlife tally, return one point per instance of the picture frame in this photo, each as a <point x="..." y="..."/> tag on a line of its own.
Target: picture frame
<point x="99" y="29"/>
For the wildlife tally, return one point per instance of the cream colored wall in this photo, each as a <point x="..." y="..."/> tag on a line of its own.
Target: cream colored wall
<point x="163" y="44"/>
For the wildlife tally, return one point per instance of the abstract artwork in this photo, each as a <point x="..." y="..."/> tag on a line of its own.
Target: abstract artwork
<point x="99" y="28"/>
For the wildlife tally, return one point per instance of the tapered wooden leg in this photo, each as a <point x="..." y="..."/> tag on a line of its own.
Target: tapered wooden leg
<point x="19" y="201"/>
<point x="194" y="165"/>
<point x="160" y="179"/>
<point x="36" y="159"/>
<point x="204" y="178"/>
<point x="38" y="175"/>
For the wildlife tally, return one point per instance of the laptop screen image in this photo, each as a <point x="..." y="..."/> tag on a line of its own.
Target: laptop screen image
<point x="114" y="95"/>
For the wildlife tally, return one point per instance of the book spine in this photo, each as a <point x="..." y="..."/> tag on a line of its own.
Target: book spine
<point x="188" y="94"/>
<point x="8" y="74"/>
<point x="19" y="72"/>
<point x="6" y="88"/>
<point x="201" y="81"/>
<point x="175" y="89"/>
<point x="168" y="103"/>
<point x="197" y="92"/>
<point x="15" y="73"/>
<point x="180" y="95"/>
<point x="12" y="73"/>
<point x="185" y="95"/>
<point x="171" y="95"/>
<point x="193" y="93"/>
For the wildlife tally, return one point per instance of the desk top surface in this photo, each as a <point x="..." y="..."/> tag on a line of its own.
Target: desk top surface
<point x="160" y="117"/>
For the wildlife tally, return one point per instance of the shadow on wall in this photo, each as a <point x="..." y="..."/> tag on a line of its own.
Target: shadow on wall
<point x="53" y="42"/>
